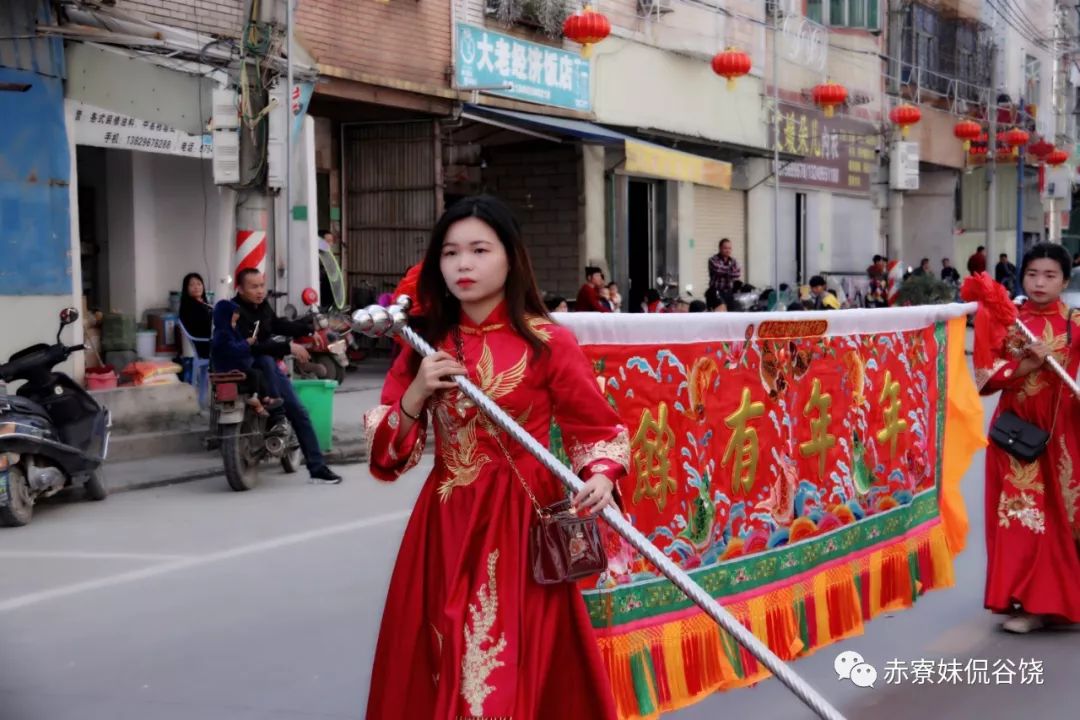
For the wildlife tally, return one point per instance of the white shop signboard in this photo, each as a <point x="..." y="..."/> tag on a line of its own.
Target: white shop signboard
<point x="98" y="127"/>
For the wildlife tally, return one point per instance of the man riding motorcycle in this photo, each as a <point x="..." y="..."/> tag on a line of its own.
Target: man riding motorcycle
<point x="258" y="320"/>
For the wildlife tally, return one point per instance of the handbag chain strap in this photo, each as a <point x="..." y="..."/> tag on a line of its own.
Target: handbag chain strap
<point x="1068" y="358"/>
<point x="459" y="347"/>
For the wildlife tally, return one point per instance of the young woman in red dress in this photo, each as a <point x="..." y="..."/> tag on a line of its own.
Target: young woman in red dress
<point x="467" y="632"/>
<point x="1033" y="509"/>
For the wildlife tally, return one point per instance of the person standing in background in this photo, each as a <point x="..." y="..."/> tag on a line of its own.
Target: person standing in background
<point x="614" y="297"/>
<point x="977" y="262"/>
<point x="1005" y="273"/>
<point x="724" y="270"/>
<point x="588" y="299"/>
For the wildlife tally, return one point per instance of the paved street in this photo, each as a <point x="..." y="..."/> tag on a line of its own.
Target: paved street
<point x="194" y="603"/>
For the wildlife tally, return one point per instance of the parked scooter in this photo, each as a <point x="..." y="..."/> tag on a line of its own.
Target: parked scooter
<point x="247" y="438"/>
<point x="328" y="346"/>
<point x="53" y="434"/>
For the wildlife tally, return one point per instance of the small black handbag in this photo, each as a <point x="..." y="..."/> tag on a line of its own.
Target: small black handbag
<point x="1018" y="437"/>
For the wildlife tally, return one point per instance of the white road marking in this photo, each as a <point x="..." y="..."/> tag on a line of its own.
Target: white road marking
<point x="35" y="598"/>
<point x="69" y="555"/>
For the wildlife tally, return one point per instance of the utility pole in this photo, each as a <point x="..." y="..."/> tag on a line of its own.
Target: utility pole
<point x="776" y="151"/>
<point x="254" y="207"/>
<point x="288" y="234"/>
<point x="1019" y="199"/>
<point x="894" y="248"/>
<point x="1058" y="103"/>
<point x="991" y="154"/>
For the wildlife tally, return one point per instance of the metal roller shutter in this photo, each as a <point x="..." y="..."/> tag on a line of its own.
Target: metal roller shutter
<point x="391" y="200"/>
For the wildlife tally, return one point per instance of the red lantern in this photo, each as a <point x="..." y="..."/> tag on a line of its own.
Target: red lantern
<point x="905" y="116"/>
<point x="1041" y="148"/>
<point x="1016" y="137"/>
<point x="1057" y="157"/>
<point x="828" y="95"/>
<point x="978" y="153"/>
<point x="587" y="27"/>
<point x="967" y="130"/>
<point x="731" y="64"/>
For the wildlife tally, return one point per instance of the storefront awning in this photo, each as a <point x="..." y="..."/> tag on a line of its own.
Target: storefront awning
<point x="642" y="158"/>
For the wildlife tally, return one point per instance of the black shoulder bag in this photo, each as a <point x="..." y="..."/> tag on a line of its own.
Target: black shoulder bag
<point x="1020" y="438"/>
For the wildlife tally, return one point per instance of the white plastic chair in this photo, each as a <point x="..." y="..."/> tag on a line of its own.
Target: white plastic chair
<point x="200" y="367"/>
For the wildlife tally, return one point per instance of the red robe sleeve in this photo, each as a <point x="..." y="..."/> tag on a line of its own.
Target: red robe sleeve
<point x="593" y="434"/>
<point x="391" y="453"/>
<point x="998" y="372"/>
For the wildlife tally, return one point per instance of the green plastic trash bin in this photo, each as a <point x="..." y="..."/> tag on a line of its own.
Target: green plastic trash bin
<point x="318" y="397"/>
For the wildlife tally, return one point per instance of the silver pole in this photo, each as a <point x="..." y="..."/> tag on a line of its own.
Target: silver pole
<point x="288" y="145"/>
<point x="991" y="158"/>
<point x="776" y="155"/>
<point x="377" y="321"/>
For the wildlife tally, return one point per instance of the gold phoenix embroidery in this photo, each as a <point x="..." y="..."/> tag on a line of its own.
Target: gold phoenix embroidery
<point x="481" y="650"/>
<point x="1070" y="488"/>
<point x="1038" y="381"/>
<point x="460" y="450"/>
<point x="501" y="385"/>
<point x="1024" y="476"/>
<point x="540" y="326"/>
<point x="463" y="460"/>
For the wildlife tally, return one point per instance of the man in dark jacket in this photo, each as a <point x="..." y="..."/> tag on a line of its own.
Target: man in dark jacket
<point x="258" y="319"/>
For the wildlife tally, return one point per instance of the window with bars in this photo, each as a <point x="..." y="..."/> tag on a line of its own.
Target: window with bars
<point x="938" y="49"/>
<point x="862" y="14"/>
<point x="1032" y="84"/>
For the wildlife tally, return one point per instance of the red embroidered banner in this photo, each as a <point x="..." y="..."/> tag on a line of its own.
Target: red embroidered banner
<point x="793" y="466"/>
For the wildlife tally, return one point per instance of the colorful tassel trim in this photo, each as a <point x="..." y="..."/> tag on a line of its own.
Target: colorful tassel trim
<point x="672" y="664"/>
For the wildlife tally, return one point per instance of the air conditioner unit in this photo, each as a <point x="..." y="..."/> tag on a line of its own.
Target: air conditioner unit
<point x="654" y="7"/>
<point x="780" y="8"/>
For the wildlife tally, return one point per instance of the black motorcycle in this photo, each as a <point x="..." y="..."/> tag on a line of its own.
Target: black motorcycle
<point x="53" y="434"/>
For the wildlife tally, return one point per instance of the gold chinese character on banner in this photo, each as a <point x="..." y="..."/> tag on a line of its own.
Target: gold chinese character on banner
<point x="651" y="447"/>
<point x="743" y="445"/>
<point x="815" y="139"/>
<point x="820" y="442"/>
<point x="894" y="425"/>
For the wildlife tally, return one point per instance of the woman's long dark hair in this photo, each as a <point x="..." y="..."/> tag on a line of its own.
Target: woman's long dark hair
<point x="187" y="280"/>
<point x="442" y="311"/>
<point x="184" y="297"/>
<point x="1048" y="251"/>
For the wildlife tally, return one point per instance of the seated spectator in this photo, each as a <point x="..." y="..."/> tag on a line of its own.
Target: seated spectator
<point x="698" y="306"/>
<point x="556" y="303"/>
<point x="820" y="296"/>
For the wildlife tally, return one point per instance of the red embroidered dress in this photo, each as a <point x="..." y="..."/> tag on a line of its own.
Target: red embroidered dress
<point x="1033" y="510"/>
<point x="466" y="632"/>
